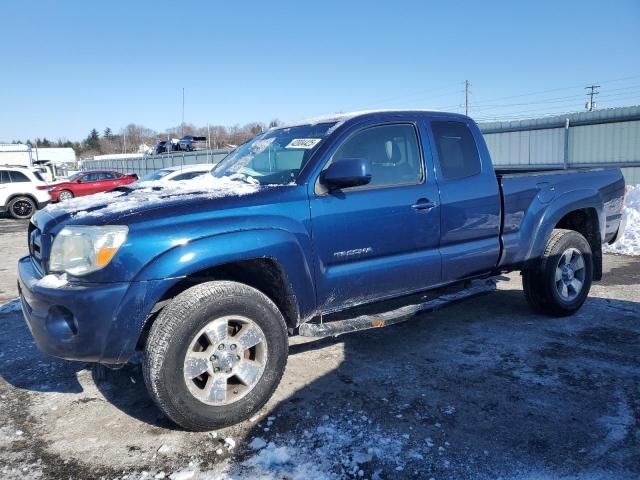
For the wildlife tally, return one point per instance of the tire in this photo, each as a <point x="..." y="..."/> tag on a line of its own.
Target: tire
<point x="560" y="282"/>
<point x="65" y="195"/>
<point x="21" y="208"/>
<point x="183" y="329"/>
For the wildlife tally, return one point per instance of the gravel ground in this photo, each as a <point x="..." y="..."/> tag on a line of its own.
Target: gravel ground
<point x="482" y="389"/>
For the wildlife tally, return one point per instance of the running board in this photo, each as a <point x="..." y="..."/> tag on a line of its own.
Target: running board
<point x="402" y="314"/>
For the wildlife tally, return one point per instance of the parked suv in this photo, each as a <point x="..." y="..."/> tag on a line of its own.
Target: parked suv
<point x="22" y="191"/>
<point x="189" y="143"/>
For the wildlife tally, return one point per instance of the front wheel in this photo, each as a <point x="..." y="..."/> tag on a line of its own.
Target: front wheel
<point x="215" y="355"/>
<point x="559" y="283"/>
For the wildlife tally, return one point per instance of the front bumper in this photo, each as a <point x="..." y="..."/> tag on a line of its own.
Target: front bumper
<point x="95" y="322"/>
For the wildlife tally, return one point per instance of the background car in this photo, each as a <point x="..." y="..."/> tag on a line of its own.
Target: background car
<point x="22" y="191"/>
<point x="160" y="147"/>
<point x="186" y="172"/>
<point x="87" y="183"/>
<point x="189" y="143"/>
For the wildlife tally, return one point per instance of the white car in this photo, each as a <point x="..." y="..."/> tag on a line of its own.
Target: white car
<point x="184" y="172"/>
<point x="22" y="191"/>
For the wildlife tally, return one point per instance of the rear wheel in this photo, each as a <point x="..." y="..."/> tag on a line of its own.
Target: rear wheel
<point x="21" y="208"/>
<point x="215" y="355"/>
<point x="65" y="195"/>
<point x="559" y="284"/>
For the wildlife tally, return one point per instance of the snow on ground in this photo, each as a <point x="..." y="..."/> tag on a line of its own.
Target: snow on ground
<point x="146" y="193"/>
<point x="629" y="244"/>
<point x="338" y="447"/>
<point x="10" y="307"/>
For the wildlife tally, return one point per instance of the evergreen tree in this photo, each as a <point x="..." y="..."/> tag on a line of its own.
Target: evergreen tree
<point x="107" y="133"/>
<point x="93" y="140"/>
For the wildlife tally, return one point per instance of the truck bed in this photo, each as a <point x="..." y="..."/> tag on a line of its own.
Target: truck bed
<point x="532" y="198"/>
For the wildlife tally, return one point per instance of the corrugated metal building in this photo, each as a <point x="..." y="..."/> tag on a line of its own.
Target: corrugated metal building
<point x="609" y="137"/>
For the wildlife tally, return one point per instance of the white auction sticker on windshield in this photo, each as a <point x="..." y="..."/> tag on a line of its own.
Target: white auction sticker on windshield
<point x="305" y="143"/>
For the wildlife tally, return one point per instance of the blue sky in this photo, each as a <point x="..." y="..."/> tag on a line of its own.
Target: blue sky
<point x="70" y="66"/>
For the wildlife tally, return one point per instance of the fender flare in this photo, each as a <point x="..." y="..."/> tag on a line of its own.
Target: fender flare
<point x="560" y="206"/>
<point x="216" y="250"/>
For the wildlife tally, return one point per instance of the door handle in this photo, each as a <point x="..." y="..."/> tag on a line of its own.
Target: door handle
<point x="423" y="204"/>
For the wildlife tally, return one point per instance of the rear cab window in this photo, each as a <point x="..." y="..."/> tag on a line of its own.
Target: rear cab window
<point x="457" y="151"/>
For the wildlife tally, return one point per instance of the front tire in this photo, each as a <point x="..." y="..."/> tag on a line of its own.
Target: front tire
<point x="560" y="282"/>
<point x="21" y="208"/>
<point x="215" y="355"/>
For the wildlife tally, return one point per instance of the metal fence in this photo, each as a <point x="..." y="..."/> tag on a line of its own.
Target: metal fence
<point x="602" y="138"/>
<point x="146" y="164"/>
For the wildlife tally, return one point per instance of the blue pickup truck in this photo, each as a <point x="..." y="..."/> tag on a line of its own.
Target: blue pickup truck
<point x="295" y="232"/>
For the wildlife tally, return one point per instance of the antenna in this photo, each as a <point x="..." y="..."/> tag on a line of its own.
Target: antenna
<point x="466" y="97"/>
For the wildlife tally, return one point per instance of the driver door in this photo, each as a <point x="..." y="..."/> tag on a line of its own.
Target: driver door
<point x="382" y="239"/>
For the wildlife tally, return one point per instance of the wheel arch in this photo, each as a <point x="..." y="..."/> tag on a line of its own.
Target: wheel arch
<point x="16" y="195"/>
<point x="272" y="261"/>
<point x="579" y="210"/>
<point x="585" y="222"/>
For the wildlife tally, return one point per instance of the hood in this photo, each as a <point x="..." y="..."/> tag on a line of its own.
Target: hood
<point x="133" y="200"/>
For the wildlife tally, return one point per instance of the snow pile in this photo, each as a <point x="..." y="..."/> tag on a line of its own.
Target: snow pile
<point x="10" y="307"/>
<point x="343" y="446"/>
<point x="153" y="193"/>
<point x="629" y="244"/>
<point x="52" y="281"/>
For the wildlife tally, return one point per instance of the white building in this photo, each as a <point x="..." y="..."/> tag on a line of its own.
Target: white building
<point x="54" y="155"/>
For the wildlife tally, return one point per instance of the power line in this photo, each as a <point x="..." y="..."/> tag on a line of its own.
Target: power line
<point x="557" y="99"/>
<point x="590" y="105"/>
<point x="557" y="89"/>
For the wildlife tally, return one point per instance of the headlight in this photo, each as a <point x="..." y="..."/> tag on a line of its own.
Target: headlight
<point x="80" y="250"/>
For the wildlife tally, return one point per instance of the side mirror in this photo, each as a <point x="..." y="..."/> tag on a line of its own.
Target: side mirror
<point x="351" y="172"/>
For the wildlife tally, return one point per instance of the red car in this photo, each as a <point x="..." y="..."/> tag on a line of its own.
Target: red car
<point x="86" y="183"/>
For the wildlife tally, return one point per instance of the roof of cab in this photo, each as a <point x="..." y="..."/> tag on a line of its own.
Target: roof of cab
<point x="344" y="116"/>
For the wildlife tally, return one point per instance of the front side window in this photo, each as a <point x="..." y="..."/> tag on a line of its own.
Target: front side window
<point x="457" y="150"/>
<point x="392" y="151"/>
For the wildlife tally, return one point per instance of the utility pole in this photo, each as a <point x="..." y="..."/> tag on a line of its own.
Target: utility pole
<point x="182" y="125"/>
<point x="466" y="97"/>
<point x="590" y="105"/>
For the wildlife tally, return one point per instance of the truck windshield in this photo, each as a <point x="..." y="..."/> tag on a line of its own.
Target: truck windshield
<point x="275" y="157"/>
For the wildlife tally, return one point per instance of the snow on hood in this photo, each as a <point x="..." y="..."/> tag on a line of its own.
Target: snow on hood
<point x="629" y="243"/>
<point x="145" y="194"/>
